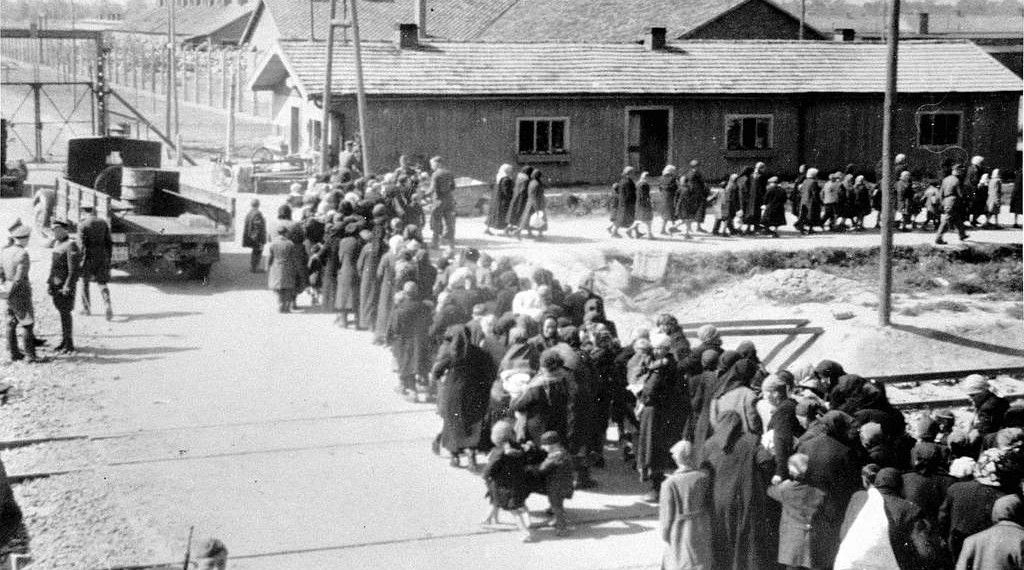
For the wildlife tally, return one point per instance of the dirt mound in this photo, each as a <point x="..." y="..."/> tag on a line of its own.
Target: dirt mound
<point x="792" y="286"/>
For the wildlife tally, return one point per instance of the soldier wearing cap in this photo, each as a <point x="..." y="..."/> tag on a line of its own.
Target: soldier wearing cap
<point x="97" y="248"/>
<point x="952" y="195"/>
<point x="14" y="268"/>
<point x="61" y="283"/>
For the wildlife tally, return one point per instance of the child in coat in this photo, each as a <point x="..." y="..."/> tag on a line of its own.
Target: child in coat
<point x="507" y="480"/>
<point x="556" y="472"/>
<point x="799" y="503"/>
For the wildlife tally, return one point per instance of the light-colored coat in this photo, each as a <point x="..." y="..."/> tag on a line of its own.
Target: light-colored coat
<point x="741" y="400"/>
<point x="1000" y="547"/>
<point x="799" y="503"/>
<point x="685" y="520"/>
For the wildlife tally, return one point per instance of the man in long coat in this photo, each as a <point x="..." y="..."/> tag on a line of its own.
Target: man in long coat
<point x="281" y="275"/>
<point x="97" y="249"/>
<point x="14" y="268"/>
<point x="61" y="283"/>
<point x="254" y="235"/>
<point x="758" y="182"/>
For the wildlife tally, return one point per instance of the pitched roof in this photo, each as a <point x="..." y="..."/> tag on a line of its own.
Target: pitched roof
<point x="447" y="19"/>
<point x="605" y="20"/>
<point x="691" y="67"/>
<point x="510" y="20"/>
<point x="939" y="24"/>
<point x="190" y="21"/>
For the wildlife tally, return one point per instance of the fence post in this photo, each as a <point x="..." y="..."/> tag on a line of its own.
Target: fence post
<point x="223" y="78"/>
<point x="195" y="73"/>
<point x="209" y="75"/>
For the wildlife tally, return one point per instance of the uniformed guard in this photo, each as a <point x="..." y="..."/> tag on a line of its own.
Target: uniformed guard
<point x="14" y="267"/>
<point x="97" y="247"/>
<point x="61" y="284"/>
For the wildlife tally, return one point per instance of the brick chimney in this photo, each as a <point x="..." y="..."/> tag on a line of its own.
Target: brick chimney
<point x="408" y="36"/>
<point x="922" y="23"/>
<point x="654" y="39"/>
<point x="420" y="16"/>
<point x="844" y="35"/>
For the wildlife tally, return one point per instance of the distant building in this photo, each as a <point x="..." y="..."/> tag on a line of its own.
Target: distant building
<point x="197" y="22"/>
<point x="580" y="111"/>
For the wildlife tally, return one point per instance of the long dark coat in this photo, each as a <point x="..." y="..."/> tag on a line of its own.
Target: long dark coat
<point x="810" y="202"/>
<point x="661" y="418"/>
<point x="385" y="296"/>
<point x="757" y="184"/>
<point x="328" y="255"/>
<point x="833" y="467"/>
<point x="625" y="203"/>
<point x="347" y="298"/>
<point x="281" y="273"/>
<point x="535" y="202"/>
<point x="644" y="211"/>
<point x="467" y="387"/>
<point x="775" y="206"/>
<point x="741" y="469"/>
<point x="731" y="200"/>
<point x="692" y="194"/>
<point x="546" y="406"/>
<point x="501" y="199"/>
<point x="518" y="202"/>
<point x="407" y="334"/>
<point x="669" y="189"/>
<point x="366" y="265"/>
<point x="254" y="231"/>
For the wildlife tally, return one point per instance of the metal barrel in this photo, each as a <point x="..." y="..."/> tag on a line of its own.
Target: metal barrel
<point x="137" y="189"/>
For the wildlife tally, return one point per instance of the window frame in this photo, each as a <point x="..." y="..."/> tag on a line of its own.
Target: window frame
<point x="959" y="130"/>
<point x="565" y="136"/>
<point x="729" y="117"/>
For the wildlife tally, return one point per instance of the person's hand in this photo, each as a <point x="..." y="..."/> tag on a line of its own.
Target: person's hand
<point x="776" y="480"/>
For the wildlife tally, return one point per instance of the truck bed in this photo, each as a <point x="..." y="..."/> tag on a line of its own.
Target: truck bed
<point x="164" y="226"/>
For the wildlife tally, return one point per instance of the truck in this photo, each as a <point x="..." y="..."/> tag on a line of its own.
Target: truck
<point x="158" y="224"/>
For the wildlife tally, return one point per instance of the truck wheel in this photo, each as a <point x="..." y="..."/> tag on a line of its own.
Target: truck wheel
<point x="201" y="272"/>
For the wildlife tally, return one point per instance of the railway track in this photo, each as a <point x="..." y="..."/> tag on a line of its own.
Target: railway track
<point x="896" y="383"/>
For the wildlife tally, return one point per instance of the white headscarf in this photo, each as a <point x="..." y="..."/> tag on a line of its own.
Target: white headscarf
<point x="504" y="172"/>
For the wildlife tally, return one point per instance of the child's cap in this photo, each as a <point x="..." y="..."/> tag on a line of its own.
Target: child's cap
<point x="550" y="438"/>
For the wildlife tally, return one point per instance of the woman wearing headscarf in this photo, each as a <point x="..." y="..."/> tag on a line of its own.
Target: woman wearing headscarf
<point x="501" y="199"/>
<point x="669" y="188"/>
<point x="328" y="260"/>
<point x="748" y="351"/>
<point x="385" y="277"/>
<point x="731" y="203"/>
<point x="366" y="265"/>
<point x="832" y="467"/>
<point x="926" y="485"/>
<point x="468" y="372"/>
<point x="661" y="403"/>
<point x="861" y="202"/>
<point x="519" y="197"/>
<point x="810" y="203"/>
<point x="644" y="212"/>
<point x="994" y="199"/>
<point x="545" y="402"/>
<point x="734" y="394"/>
<point x="692" y="193"/>
<point x="699" y="426"/>
<point x="740" y="468"/>
<point x="625" y="202"/>
<point x="828" y="373"/>
<point x="535" y="209"/>
<point x="347" y="299"/>
<point x="774" y="207"/>
<point x="669" y="325"/>
<point x="968" y="504"/>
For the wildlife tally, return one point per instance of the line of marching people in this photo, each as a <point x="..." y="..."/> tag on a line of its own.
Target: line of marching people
<point x="752" y="202"/>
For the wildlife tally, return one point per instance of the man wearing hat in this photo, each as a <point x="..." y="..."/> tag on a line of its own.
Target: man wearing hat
<point x="61" y="283"/>
<point x="97" y="248"/>
<point x="254" y="235"/>
<point x="14" y="267"/>
<point x="281" y="274"/>
<point x="989" y="408"/>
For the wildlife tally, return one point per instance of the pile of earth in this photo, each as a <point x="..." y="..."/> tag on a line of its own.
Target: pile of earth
<point x="795" y="286"/>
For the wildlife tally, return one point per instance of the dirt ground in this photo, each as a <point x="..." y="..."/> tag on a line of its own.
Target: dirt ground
<point x="281" y="435"/>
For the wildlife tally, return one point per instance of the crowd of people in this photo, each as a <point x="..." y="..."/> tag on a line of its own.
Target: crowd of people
<point x="808" y="467"/>
<point x="752" y="202"/>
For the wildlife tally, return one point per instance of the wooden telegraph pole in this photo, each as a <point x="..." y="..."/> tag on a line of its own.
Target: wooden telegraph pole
<point x="360" y="92"/>
<point x="325" y="122"/>
<point x="886" y="215"/>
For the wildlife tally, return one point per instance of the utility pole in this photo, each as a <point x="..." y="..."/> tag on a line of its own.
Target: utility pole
<point x="325" y="122"/>
<point x="360" y="92"/>
<point x="172" y="118"/>
<point x="803" y="18"/>
<point x="885" y="216"/>
<point x="229" y="142"/>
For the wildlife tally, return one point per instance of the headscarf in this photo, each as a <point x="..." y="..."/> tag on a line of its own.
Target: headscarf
<point x="669" y="170"/>
<point x="843" y="389"/>
<point x="505" y="171"/>
<point x="1008" y="508"/>
<point x="830" y="370"/>
<point x="928" y="458"/>
<point x="748" y="351"/>
<point x="708" y="334"/>
<point x="927" y="429"/>
<point x="871" y="434"/>
<point x="738" y="376"/>
<point x="726" y="361"/>
<point x="837" y="425"/>
<point x="709" y="359"/>
<point x="535" y="175"/>
<point x="998" y="468"/>
<point x="459" y="341"/>
<point x="728" y="431"/>
<point x="889" y="481"/>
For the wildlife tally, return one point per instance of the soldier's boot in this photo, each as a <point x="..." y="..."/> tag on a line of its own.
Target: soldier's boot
<point x="107" y="309"/>
<point x="12" y="341"/>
